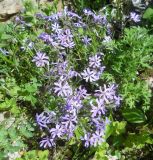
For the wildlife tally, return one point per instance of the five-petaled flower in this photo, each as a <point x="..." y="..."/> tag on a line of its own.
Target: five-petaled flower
<point x="41" y="59"/>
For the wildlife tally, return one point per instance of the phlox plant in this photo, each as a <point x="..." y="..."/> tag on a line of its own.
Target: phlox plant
<point x="77" y="80"/>
<point x="71" y="85"/>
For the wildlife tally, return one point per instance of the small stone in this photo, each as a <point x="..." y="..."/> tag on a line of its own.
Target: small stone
<point x="9" y="8"/>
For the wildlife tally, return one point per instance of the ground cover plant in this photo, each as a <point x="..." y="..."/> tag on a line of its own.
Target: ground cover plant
<point x="76" y="85"/>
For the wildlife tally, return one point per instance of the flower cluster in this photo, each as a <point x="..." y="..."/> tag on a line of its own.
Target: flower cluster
<point x="62" y="125"/>
<point x="63" y="30"/>
<point x="79" y="103"/>
<point x="93" y="72"/>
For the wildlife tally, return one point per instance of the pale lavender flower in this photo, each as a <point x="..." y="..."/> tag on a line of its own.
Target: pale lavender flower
<point x="95" y="61"/>
<point x="117" y="100"/>
<point x="45" y="118"/>
<point x="97" y="138"/>
<point x="57" y="131"/>
<point x="107" y="121"/>
<point x="43" y="36"/>
<point x="52" y="18"/>
<point x="61" y="67"/>
<point x="100" y="70"/>
<point x="107" y="39"/>
<point x="41" y="120"/>
<point x="39" y="15"/>
<point x="48" y="39"/>
<point x="55" y="16"/>
<point x="86" y="40"/>
<point x="99" y="123"/>
<point x="135" y="17"/>
<point x="75" y="103"/>
<point x="19" y="20"/>
<point x="90" y="75"/>
<point x="106" y="93"/>
<point x="62" y="89"/>
<point x="73" y="15"/>
<point x="86" y="139"/>
<point x="68" y="33"/>
<point x="41" y="59"/>
<point x="56" y="28"/>
<point x="99" y="109"/>
<point x="65" y="39"/>
<point x="88" y="12"/>
<point x="71" y="73"/>
<point x="99" y="19"/>
<point x="68" y="44"/>
<point x="79" y="24"/>
<point x="69" y="122"/>
<point x="81" y="93"/>
<point x="47" y="142"/>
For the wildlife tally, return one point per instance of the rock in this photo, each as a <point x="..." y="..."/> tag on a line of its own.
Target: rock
<point x="9" y="8"/>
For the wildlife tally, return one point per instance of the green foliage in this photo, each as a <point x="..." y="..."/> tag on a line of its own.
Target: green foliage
<point x="92" y="4"/>
<point x="35" y="155"/>
<point x="136" y="94"/>
<point x="134" y="115"/>
<point x="148" y="14"/>
<point x="12" y="94"/>
<point x="13" y="133"/>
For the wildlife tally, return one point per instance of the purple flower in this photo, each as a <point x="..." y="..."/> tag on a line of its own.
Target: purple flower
<point x="71" y="73"/>
<point x="106" y="93"/>
<point x="57" y="131"/>
<point x="98" y="109"/>
<point x="107" y="121"/>
<point x="41" y="120"/>
<point x="65" y="39"/>
<point x="135" y="17"/>
<point x="48" y="39"/>
<point x="19" y="20"/>
<point x="47" y="142"/>
<point x="88" y="12"/>
<point x="52" y="18"/>
<point x="75" y="103"/>
<point x="95" y="61"/>
<point x="81" y="93"/>
<point x="62" y="89"/>
<point x="61" y="67"/>
<point x="86" y="40"/>
<point x="90" y="75"/>
<point x="100" y="19"/>
<point x="97" y="138"/>
<point x="39" y="15"/>
<point x="41" y="59"/>
<point x="69" y="122"/>
<point x="99" y="123"/>
<point x="79" y="24"/>
<point x="45" y="118"/>
<point x="117" y="100"/>
<point x="97" y="18"/>
<point x="43" y="36"/>
<point x="72" y="15"/>
<point x="86" y="139"/>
